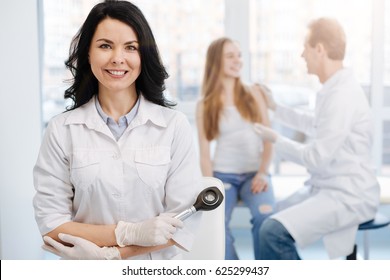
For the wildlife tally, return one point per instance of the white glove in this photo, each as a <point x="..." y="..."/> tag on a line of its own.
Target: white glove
<point x="152" y="232"/>
<point x="265" y="133"/>
<point x="82" y="249"/>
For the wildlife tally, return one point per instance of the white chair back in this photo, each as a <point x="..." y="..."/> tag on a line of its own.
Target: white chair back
<point x="209" y="242"/>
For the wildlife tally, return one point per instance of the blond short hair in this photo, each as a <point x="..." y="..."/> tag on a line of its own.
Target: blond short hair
<point x="331" y="34"/>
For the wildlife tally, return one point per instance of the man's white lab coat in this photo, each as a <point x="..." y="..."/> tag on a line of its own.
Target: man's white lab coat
<point x="343" y="190"/>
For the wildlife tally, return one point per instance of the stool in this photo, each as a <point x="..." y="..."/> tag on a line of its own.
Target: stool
<point x="378" y="222"/>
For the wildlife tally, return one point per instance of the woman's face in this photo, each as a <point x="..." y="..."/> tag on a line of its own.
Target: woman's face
<point x="231" y="60"/>
<point x="114" y="56"/>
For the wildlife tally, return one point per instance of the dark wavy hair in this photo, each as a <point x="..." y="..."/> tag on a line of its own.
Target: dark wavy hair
<point x="151" y="81"/>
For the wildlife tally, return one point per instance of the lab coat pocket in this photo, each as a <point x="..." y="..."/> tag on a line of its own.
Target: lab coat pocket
<point x="84" y="169"/>
<point x="152" y="165"/>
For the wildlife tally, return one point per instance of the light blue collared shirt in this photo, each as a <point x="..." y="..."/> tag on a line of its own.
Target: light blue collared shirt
<point x="117" y="128"/>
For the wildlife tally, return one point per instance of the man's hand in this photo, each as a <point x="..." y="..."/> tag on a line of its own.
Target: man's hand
<point x="266" y="133"/>
<point x="82" y="249"/>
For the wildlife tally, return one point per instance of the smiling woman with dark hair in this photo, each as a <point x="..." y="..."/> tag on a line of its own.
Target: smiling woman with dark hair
<point x="115" y="168"/>
<point x="152" y="77"/>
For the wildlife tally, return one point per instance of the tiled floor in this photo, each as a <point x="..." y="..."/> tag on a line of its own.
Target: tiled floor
<point x="379" y="240"/>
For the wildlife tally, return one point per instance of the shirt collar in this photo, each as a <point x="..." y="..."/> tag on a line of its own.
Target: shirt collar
<point x="148" y="111"/>
<point x="100" y="110"/>
<point x="334" y="79"/>
<point x="128" y="117"/>
<point x="88" y="114"/>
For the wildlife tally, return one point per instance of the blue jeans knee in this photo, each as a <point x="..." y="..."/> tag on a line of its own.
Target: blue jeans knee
<point x="275" y="242"/>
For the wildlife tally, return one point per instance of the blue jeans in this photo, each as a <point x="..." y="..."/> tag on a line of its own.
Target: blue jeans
<point x="238" y="186"/>
<point x="276" y="242"/>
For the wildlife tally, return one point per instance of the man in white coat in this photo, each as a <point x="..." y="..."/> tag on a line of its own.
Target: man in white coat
<point x="342" y="191"/>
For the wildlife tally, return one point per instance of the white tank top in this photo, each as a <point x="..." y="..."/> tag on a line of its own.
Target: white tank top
<point x="238" y="147"/>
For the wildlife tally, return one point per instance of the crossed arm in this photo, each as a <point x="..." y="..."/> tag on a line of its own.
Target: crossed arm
<point x="87" y="235"/>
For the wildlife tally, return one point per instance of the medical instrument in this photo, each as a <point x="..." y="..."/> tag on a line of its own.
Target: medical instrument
<point x="208" y="199"/>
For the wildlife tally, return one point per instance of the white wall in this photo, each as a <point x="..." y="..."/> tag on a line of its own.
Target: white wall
<point x="20" y="124"/>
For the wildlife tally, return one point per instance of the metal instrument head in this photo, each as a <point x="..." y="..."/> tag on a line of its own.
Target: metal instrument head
<point x="208" y="199"/>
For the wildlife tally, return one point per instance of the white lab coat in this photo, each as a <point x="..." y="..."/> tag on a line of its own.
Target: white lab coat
<point x="84" y="175"/>
<point x="343" y="190"/>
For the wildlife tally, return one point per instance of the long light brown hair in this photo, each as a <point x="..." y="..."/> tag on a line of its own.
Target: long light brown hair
<point x="212" y="88"/>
